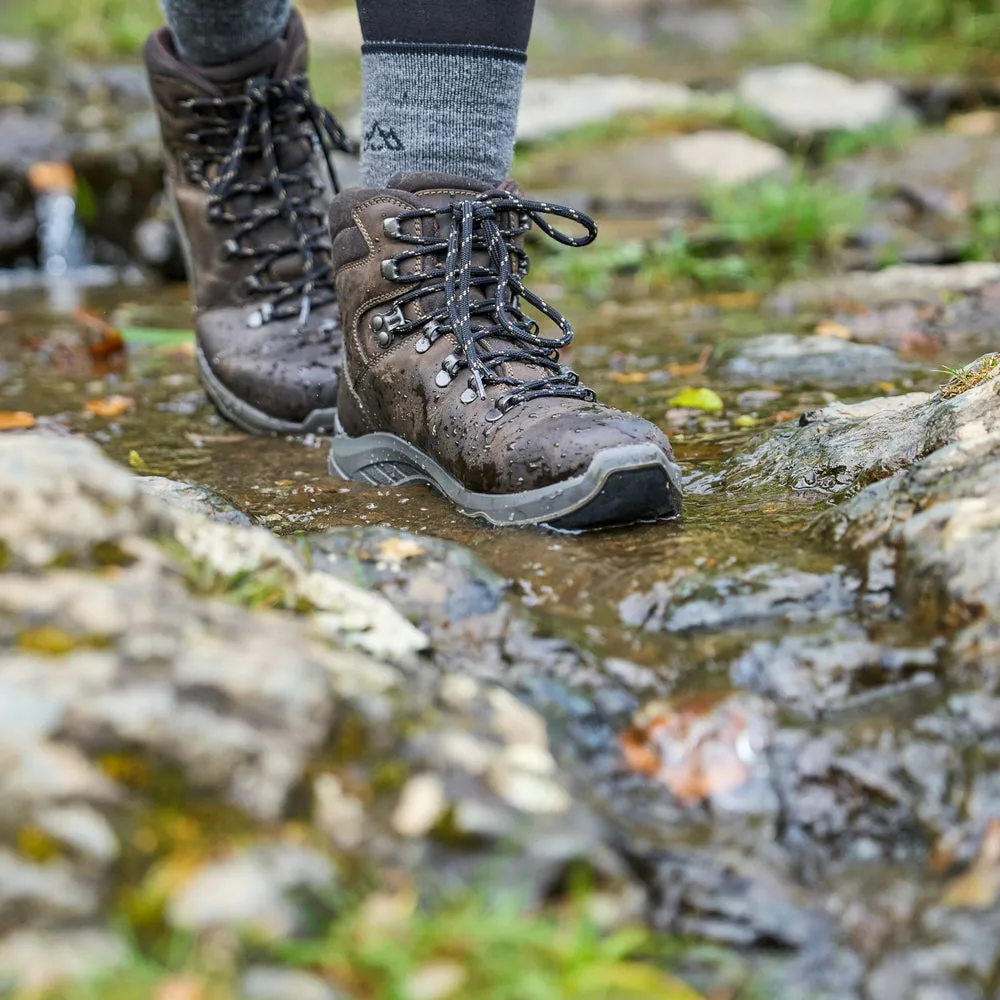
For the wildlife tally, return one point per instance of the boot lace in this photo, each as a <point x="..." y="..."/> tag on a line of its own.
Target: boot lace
<point x="255" y="125"/>
<point x="491" y="331"/>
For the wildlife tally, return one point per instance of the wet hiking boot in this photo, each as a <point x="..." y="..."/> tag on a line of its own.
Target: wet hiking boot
<point x="448" y="382"/>
<point x="247" y="161"/>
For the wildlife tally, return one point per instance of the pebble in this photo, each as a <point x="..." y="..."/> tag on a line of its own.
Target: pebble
<point x="421" y="805"/>
<point x="43" y="894"/>
<point x="514" y="722"/>
<point x="724" y="157"/>
<point x="527" y="792"/>
<point x="253" y="889"/>
<point x="340" y="815"/>
<point x="82" y="829"/>
<point x="265" y="982"/>
<point x="38" y="960"/>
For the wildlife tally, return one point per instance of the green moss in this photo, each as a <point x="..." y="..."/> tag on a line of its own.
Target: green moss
<point x="49" y="641"/>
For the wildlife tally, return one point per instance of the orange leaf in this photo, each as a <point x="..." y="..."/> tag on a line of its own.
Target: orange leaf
<point x="828" y="328"/>
<point x="52" y="178"/>
<point x="110" y="407"/>
<point x="109" y="340"/>
<point x="16" y="420"/>
<point x="686" y="371"/>
<point x="783" y="416"/>
<point x="629" y="378"/>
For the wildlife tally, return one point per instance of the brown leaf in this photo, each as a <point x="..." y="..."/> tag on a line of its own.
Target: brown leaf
<point x="629" y="378"/>
<point x="109" y="407"/>
<point x="974" y="123"/>
<point x="830" y="328"/>
<point x="783" y="416"/>
<point x="979" y="887"/>
<point x="685" y="371"/>
<point x="918" y="346"/>
<point x="180" y="988"/>
<point x="734" y="300"/>
<point x="698" y="746"/>
<point x="107" y="340"/>
<point x="16" y="420"/>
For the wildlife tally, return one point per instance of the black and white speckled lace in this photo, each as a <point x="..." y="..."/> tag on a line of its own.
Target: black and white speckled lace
<point x="243" y="137"/>
<point x="491" y="331"/>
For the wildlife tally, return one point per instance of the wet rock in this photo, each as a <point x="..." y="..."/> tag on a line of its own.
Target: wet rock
<point x="552" y="106"/>
<point x="829" y="674"/>
<point x="694" y="600"/>
<point x="254" y="890"/>
<point x="194" y="499"/>
<point x="28" y="139"/>
<point x="842" y="446"/>
<point x="804" y="100"/>
<point x="421" y="806"/>
<point x="902" y="283"/>
<point x="939" y="171"/>
<point x="822" y="361"/>
<point x="39" y="960"/>
<point x="17" y="53"/>
<point x="264" y="982"/>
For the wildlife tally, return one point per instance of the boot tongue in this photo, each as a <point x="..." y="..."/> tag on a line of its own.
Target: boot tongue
<point x="419" y="183"/>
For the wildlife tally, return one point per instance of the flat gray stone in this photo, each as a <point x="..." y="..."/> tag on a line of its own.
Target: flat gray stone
<point x="804" y="100"/>
<point x="823" y="361"/>
<point x="552" y="106"/>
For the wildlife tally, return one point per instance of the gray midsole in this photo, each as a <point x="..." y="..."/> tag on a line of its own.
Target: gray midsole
<point x="249" y="418"/>
<point x="350" y="455"/>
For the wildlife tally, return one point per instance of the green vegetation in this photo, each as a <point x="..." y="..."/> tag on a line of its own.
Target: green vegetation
<point x="755" y="235"/>
<point x="97" y="28"/>
<point x="971" y="22"/>
<point x="389" y="949"/>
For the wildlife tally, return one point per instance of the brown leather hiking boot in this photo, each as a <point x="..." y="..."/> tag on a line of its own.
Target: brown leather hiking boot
<point x="247" y="161"/>
<point x="448" y="382"/>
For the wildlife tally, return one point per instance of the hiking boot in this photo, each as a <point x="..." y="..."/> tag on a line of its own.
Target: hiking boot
<point x="247" y="162"/>
<point x="448" y="382"/>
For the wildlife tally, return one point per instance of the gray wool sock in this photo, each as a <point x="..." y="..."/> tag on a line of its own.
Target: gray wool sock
<point x="213" y="32"/>
<point x="442" y="108"/>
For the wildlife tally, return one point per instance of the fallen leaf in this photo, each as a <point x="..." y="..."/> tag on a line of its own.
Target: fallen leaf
<point x="629" y="378"/>
<point x="734" y="300"/>
<point x="830" y="328"/>
<point x="686" y="371"/>
<point x="783" y="416"/>
<point x="397" y="550"/>
<point x="698" y="746"/>
<point x="180" y="988"/>
<point x="108" y="340"/>
<point x="745" y="421"/>
<point x="706" y="400"/>
<point x="885" y="387"/>
<point x="47" y="177"/>
<point x="16" y="420"/>
<point x="137" y="462"/>
<point x="109" y="407"/>
<point x="919" y="346"/>
<point x="974" y="123"/>
<point x="979" y="887"/>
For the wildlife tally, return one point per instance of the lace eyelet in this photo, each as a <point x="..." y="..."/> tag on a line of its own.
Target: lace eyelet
<point x="470" y="395"/>
<point x="229" y="250"/>
<point x="390" y="269"/>
<point x="390" y="227"/>
<point x="384" y="325"/>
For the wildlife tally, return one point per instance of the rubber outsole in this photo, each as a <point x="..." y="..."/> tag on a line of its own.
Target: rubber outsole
<point x="622" y="485"/>
<point x="252" y="420"/>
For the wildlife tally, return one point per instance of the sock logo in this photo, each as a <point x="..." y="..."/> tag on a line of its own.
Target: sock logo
<point x="379" y="139"/>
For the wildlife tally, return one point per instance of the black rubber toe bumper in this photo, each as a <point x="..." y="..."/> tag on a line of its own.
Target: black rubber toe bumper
<point x="623" y="485"/>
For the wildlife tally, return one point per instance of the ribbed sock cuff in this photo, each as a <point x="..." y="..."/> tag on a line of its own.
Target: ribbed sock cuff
<point x="446" y="108"/>
<point x="215" y="32"/>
